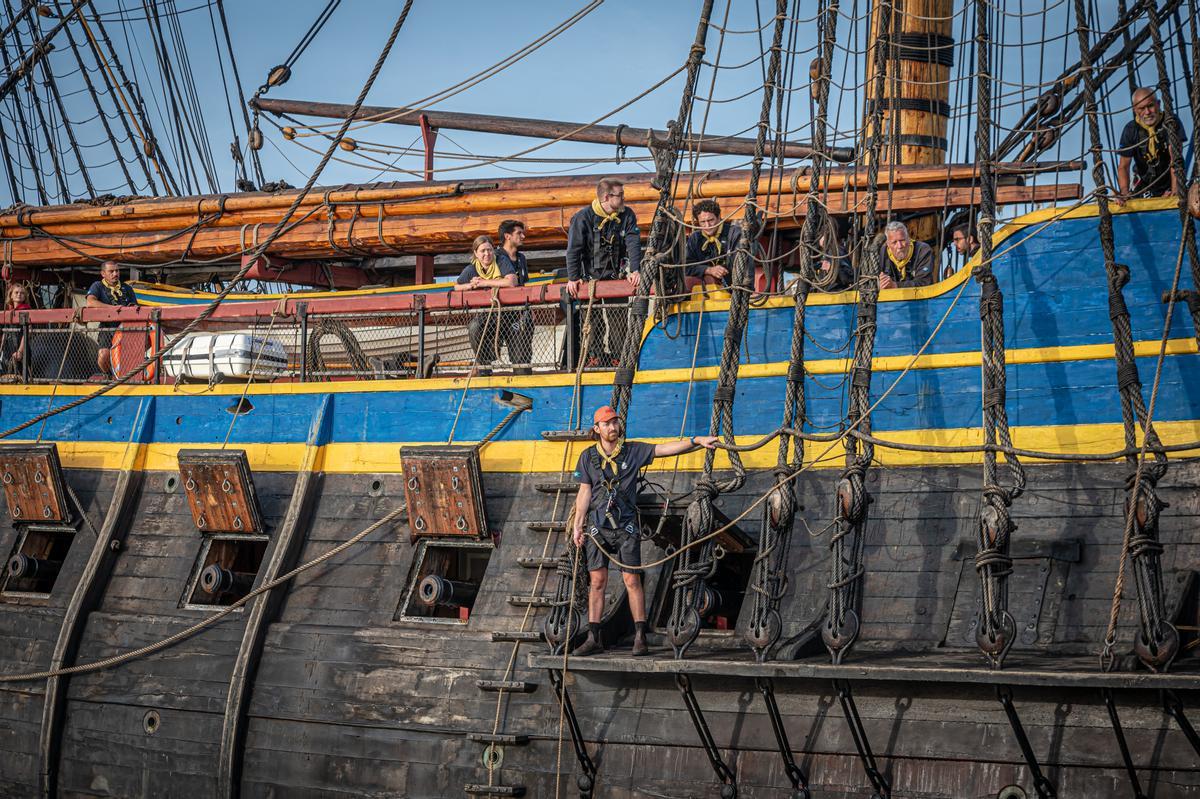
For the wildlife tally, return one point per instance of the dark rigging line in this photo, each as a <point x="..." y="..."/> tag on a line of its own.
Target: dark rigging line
<point x="255" y="161"/>
<point x="52" y="84"/>
<point x="104" y="119"/>
<point x="150" y="146"/>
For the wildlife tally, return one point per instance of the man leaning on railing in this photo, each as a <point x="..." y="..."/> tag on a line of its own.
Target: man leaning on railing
<point x="109" y="290"/>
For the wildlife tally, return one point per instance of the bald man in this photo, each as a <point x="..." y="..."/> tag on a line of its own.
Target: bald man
<point x="1144" y="147"/>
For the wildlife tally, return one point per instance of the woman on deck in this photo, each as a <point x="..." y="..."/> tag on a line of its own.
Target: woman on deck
<point x="12" y="348"/>
<point x="485" y="272"/>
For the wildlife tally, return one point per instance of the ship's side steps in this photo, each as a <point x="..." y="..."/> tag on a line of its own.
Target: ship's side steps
<point x="493" y="740"/>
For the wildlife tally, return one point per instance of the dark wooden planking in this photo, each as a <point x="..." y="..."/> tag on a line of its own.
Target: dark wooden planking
<point x="264" y="608"/>
<point x="86" y="597"/>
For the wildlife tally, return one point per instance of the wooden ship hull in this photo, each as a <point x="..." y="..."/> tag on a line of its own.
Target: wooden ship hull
<point x="338" y="683"/>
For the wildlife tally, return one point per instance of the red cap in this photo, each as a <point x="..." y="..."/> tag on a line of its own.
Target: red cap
<point x="603" y="414"/>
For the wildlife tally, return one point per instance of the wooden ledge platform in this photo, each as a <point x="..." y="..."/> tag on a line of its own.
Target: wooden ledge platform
<point x="955" y="667"/>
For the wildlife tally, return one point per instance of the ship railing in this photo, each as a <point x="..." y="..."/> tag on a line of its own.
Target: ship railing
<point x="518" y="331"/>
<point x="71" y="352"/>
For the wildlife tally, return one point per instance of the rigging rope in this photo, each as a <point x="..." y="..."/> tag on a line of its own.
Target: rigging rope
<point x="997" y="629"/>
<point x="852" y="501"/>
<point x="657" y="242"/>
<point x="768" y="575"/>
<point x="696" y="565"/>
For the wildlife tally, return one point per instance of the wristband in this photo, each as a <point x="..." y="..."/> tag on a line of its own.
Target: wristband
<point x="693" y="440"/>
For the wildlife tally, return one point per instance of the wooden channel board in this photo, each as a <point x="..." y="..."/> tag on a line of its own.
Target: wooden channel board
<point x="33" y="483"/>
<point x="444" y="492"/>
<point x="220" y="490"/>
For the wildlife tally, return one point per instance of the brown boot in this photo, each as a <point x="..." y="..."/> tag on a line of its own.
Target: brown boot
<point x="594" y="645"/>
<point x="639" y="640"/>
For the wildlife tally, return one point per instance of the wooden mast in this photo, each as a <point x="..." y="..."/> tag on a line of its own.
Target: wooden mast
<point x="915" y="104"/>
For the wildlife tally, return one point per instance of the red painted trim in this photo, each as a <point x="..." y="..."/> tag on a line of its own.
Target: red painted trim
<point x="307" y="273"/>
<point x="450" y="300"/>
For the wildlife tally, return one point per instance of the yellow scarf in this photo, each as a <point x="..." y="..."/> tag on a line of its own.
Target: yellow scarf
<point x="605" y="218"/>
<point x="1151" y="137"/>
<point x="491" y="272"/>
<point x="713" y="239"/>
<point x="610" y="460"/>
<point x="117" y="293"/>
<point x="902" y="265"/>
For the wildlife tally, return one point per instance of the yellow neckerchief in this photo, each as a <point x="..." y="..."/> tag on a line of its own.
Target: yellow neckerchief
<point x="714" y="239"/>
<point x="610" y="460"/>
<point x="1151" y="136"/>
<point x="117" y="293"/>
<point x="901" y="266"/>
<point x="491" y="272"/>
<point x="605" y="218"/>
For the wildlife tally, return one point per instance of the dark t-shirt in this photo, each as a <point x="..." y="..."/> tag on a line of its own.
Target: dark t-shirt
<point x="520" y="268"/>
<point x="505" y="270"/>
<point x="123" y="294"/>
<point x="1150" y="175"/>
<point x="614" y="506"/>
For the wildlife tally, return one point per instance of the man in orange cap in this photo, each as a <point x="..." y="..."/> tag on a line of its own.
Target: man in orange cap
<point x="606" y="509"/>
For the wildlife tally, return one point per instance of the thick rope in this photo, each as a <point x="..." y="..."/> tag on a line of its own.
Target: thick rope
<point x="158" y="646"/>
<point x="996" y="629"/>
<point x="846" y="544"/>
<point x="687" y="580"/>
<point x="622" y="393"/>
<point x="1158" y="640"/>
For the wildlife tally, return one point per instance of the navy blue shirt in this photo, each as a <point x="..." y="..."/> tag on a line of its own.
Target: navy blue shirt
<point x="701" y="254"/>
<point x="614" y="496"/>
<point x="600" y="253"/>
<point x="1150" y="175"/>
<point x="122" y="295"/>
<point x="520" y="268"/>
<point x="505" y="270"/>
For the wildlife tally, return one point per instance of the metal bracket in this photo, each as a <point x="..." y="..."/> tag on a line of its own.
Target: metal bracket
<point x="1174" y="707"/>
<point x="1122" y="744"/>
<point x="723" y="772"/>
<point x="794" y="773"/>
<point x="883" y="790"/>
<point x="587" y="780"/>
<point x="1045" y="790"/>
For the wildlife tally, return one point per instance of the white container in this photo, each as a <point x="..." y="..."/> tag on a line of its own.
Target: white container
<point x="204" y="355"/>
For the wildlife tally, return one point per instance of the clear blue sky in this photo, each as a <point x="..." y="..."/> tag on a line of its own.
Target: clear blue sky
<point x="610" y="56"/>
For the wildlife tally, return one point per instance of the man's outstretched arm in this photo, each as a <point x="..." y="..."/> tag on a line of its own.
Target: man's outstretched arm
<point x="688" y="445"/>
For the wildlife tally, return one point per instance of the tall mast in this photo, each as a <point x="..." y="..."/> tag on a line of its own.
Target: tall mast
<point x="916" y="95"/>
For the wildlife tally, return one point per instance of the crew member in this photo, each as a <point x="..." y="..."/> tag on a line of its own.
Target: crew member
<point x="606" y="517"/>
<point x="711" y="245"/>
<point x="12" y="346"/>
<point x="904" y="263"/>
<point x="833" y="260"/>
<point x="109" y="290"/>
<point x="1144" y="146"/>
<point x="966" y="244"/>
<point x="484" y="272"/>
<point x="517" y="327"/>
<point x="603" y="244"/>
